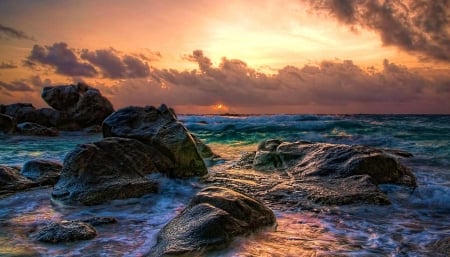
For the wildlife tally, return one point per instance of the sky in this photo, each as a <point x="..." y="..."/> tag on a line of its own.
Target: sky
<point x="248" y="56"/>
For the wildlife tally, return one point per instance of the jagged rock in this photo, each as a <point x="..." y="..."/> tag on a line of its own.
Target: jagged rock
<point x="43" y="172"/>
<point x="65" y="231"/>
<point x="97" y="221"/>
<point x="34" y="129"/>
<point x="83" y="104"/>
<point x="113" y="168"/>
<point x="7" y="124"/>
<point x="203" y="149"/>
<point x="214" y="218"/>
<point x="12" y="181"/>
<point x="158" y="128"/>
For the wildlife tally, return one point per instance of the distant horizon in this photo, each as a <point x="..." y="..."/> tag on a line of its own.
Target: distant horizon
<point x="238" y="56"/>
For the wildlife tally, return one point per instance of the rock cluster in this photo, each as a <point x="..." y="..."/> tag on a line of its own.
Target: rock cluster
<point x="33" y="174"/>
<point x="301" y="174"/>
<point x="74" y="107"/>
<point x="137" y="141"/>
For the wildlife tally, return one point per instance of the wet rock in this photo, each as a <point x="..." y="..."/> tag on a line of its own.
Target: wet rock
<point x="43" y="172"/>
<point x="12" y="181"/>
<point x="84" y="105"/>
<point x="7" y="124"/>
<point x="113" y="168"/>
<point x="34" y="129"/>
<point x="214" y="218"/>
<point x="65" y="231"/>
<point x="304" y="159"/>
<point x="158" y="128"/>
<point x="304" y="175"/>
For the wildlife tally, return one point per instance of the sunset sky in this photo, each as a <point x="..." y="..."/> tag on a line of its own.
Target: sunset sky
<point x="253" y="56"/>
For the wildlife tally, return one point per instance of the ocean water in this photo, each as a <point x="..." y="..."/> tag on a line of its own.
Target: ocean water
<point x="416" y="218"/>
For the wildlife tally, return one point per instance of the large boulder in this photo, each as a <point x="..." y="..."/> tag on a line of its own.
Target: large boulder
<point x="305" y="175"/>
<point x="307" y="159"/>
<point x="113" y="168"/>
<point x="159" y="128"/>
<point x="214" y="218"/>
<point x="83" y="104"/>
<point x="43" y="172"/>
<point x="34" y="129"/>
<point x="7" y="124"/>
<point x="12" y="181"/>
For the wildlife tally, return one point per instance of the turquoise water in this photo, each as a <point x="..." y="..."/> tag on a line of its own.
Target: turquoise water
<point x="405" y="228"/>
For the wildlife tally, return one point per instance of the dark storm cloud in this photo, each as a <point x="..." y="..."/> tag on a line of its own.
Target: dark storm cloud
<point x="16" y="86"/>
<point x="417" y="26"/>
<point x="63" y="59"/>
<point x="87" y="63"/>
<point x="8" y="65"/>
<point x="9" y="32"/>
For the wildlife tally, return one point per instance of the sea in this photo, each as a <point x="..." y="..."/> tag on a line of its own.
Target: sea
<point x="414" y="221"/>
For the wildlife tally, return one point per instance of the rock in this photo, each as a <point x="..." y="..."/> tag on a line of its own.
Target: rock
<point x="65" y="231"/>
<point x="305" y="175"/>
<point x="113" y="168"/>
<point x="306" y="159"/>
<point x="213" y="219"/>
<point x="11" y="181"/>
<point x="43" y="172"/>
<point x="26" y="112"/>
<point x="34" y="129"/>
<point x="7" y="124"/>
<point x="83" y="104"/>
<point x="158" y="128"/>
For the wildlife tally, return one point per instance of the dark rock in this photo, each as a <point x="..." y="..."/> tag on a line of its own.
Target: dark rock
<point x="304" y="175"/>
<point x="305" y="159"/>
<point x="7" y="124"/>
<point x="213" y="219"/>
<point x="20" y="111"/>
<point x="113" y="168"/>
<point x="26" y="112"/>
<point x="83" y="104"/>
<point x="65" y="231"/>
<point x="12" y="181"/>
<point x="93" y="129"/>
<point x="158" y="128"/>
<point x="43" y="172"/>
<point x="34" y="129"/>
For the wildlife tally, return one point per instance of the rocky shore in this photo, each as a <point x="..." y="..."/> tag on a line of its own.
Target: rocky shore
<point x="141" y="141"/>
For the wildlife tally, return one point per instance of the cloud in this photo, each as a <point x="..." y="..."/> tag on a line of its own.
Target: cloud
<point x="9" y="32"/>
<point x="63" y="59"/>
<point x="8" y="65"/>
<point x="109" y="63"/>
<point x="114" y="66"/>
<point x="16" y="86"/>
<point x="329" y="86"/>
<point x="421" y="27"/>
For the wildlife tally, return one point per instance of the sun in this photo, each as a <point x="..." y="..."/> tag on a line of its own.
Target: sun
<point x="219" y="106"/>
